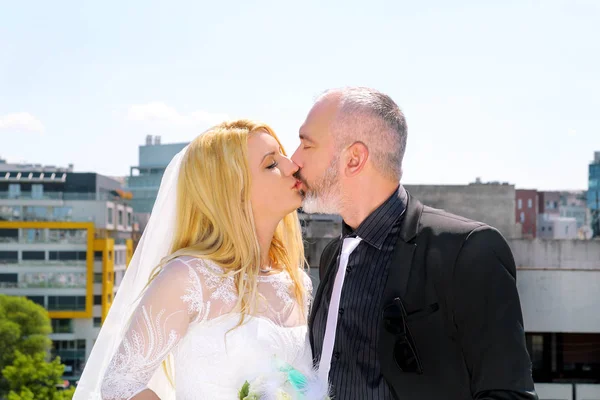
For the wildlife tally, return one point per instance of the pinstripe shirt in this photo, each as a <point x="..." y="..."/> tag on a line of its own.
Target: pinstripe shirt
<point x="355" y="371"/>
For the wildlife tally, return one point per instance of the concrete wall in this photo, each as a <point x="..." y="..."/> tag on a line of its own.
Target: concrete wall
<point x="560" y="301"/>
<point x="564" y="254"/>
<point x="559" y="284"/>
<point x="493" y="204"/>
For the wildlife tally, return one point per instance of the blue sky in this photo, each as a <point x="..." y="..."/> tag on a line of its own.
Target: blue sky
<point x="506" y="91"/>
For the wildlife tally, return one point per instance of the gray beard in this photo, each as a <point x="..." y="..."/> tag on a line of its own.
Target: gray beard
<point x="325" y="196"/>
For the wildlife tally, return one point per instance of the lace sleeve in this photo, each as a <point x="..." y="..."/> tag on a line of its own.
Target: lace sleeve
<point x="160" y="320"/>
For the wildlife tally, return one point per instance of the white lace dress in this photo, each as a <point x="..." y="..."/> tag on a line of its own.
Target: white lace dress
<point x="187" y="311"/>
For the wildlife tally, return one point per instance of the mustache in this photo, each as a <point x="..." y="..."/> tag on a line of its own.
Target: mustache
<point x="298" y="175"/>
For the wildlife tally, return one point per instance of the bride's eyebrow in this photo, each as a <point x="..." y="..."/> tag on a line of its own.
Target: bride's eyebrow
<point x="271" y="153"/>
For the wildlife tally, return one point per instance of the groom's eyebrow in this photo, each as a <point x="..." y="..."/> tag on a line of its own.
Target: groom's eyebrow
<point x="305" y="137"/>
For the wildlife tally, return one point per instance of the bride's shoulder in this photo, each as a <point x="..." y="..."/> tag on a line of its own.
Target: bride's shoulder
<point x="193" y="267"/>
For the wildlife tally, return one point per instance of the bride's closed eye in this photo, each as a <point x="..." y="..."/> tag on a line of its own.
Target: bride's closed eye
<point x="273" y="165"/>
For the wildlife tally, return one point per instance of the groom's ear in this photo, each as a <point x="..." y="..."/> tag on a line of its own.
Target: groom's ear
<point x="356" y="157"/>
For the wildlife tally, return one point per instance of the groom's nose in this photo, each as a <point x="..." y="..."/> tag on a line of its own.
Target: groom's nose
<point x="296" y="158"/>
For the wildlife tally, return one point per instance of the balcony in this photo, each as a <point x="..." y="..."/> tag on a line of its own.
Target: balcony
<point x="47" y="196"/>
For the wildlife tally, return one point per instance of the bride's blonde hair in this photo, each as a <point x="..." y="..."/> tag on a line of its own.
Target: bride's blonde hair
<point x="215" y="220"/>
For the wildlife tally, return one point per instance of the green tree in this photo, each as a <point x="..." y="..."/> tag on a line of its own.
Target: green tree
<point x="34" y="378"/>
<point x="24" y="326"/>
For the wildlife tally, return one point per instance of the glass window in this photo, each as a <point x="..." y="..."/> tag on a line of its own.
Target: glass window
<point x="37" y="191"/>
<point x="9" y="257"/>
<point x="37" y="300"/>
<point x="62" y="213"/>
<point x="9" y="235"/>
<point x="529" y="203"/>
<point x="97" y="322"/>
<point x="120" y="216"/>
<point x="97" y="300"/>
<point x="522" y="217"/>
<point x="110" y="216"/>
<point x="62" y="325"/>
<point x="97" y="277"/>
<point x="97" y="256"/>
<point x="33" y="236"/>
<point x="14" y="190"/>
<point x="128" y="219"/>
<point x="33" y="255"/>
<point x="68" y="303"/>
<point x="520" y="204"/>
<point x="10" y="213"/>
<point x="9" y="280"/>
<point x="35" y="213"/>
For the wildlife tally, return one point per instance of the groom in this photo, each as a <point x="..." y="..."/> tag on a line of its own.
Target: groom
<point x="425" y="304"/>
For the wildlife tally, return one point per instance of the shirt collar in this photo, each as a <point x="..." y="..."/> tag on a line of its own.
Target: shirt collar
<point x="377" y="226"/>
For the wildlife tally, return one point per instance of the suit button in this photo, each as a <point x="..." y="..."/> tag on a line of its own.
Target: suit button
<point x="348" y="269"/>
<point x="341" y="311"/>
<point x="336" y="355"/>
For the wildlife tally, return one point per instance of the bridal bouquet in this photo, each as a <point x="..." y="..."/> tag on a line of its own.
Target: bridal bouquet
<point x="284" y="382"/>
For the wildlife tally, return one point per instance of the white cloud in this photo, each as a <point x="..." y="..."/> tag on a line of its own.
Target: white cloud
<point x="160" y="112"/>
<point x="21" y="121"/>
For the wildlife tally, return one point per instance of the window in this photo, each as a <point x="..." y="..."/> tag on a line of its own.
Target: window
<point x="62" y="213"/>
<point x="62" y="303"/>
<point x="120" y="217"/>
<point x="33" y="235"/>
<point x="9" y="257"/>
<point x="67" y="255"/>
<point x="529" y="203"/>
<point x="97" y="322"/>
<point x="543" y="228"/>
<point x="62" y="326"/>
<point x="110" y="216"/>
<point x="549" y="229"/>
<point x="37" y="191"/>
<point x="109" y="255"/>
<point x="9" y="235"/>
<point x="128" y="219"/>
<point x="9" y="280"/>
<point x="97" y="277"/>
<point x="522" y="217"/>
<point x="97" y="300"/>
<point x="33" y="255"/>
<point x="520" y="202"/>
<point x="37" y="300"/>
<point x="35" y="213"/>
<point x="97" y="256"/>
<point x="14" y="190"/>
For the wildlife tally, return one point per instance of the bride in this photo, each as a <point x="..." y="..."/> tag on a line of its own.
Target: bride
<point x="215" y="296"/>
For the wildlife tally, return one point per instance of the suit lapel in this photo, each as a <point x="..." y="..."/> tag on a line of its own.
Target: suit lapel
<point x="401" y="264"/>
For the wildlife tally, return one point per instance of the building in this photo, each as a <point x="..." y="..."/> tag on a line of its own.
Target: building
<point x="144" y="179"/>
<point x="593" y="193"/>
<point x="559" y="289"/>
<point x="493" y="203"/>
<point x="65" y="241"/>
<point x="526" y="211"/>
<point x="549" y="203"/>
<point x="556" y="227"/>
<point x="574" y="205"/>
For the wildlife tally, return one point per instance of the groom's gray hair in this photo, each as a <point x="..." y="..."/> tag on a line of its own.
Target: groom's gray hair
<point x="373" y="118"/>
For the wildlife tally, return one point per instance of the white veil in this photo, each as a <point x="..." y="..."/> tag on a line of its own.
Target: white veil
<point x="154" y="245"/>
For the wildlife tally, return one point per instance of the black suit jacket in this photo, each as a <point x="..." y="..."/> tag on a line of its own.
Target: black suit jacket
<point x="456" y="279"/>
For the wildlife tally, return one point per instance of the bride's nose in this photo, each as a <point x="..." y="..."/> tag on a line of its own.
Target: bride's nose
<point x="290" y="167"/>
